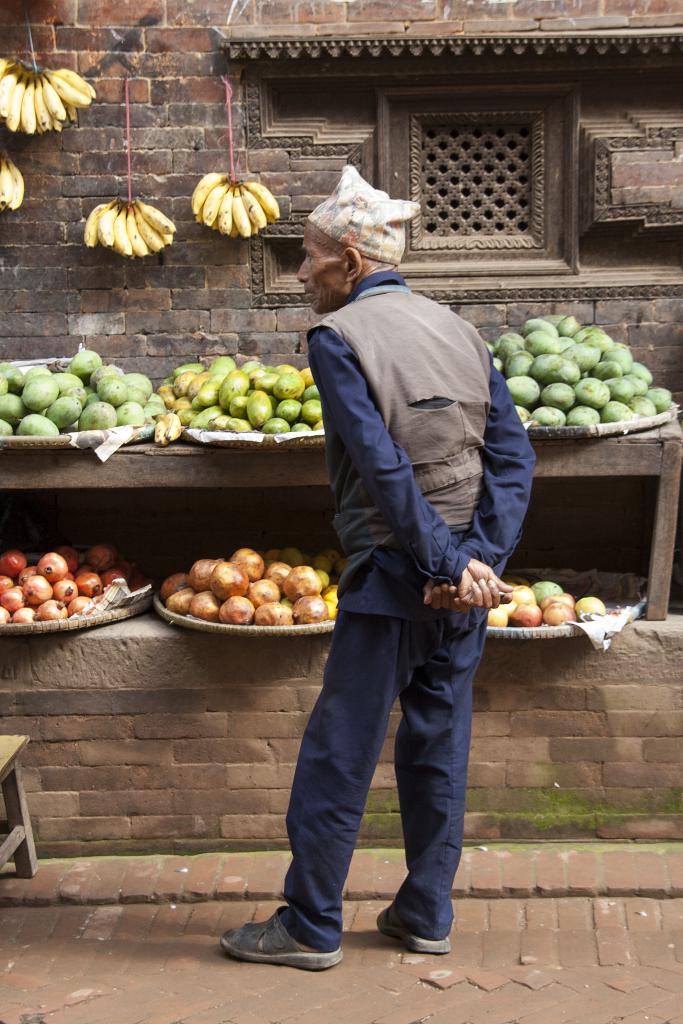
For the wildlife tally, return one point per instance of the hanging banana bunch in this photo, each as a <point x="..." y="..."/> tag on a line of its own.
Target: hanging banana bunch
<point x="233" y="208"/>
<point x="130" y="228"/>
<point x="34" y="101"/>
<point x="11" y="184"/>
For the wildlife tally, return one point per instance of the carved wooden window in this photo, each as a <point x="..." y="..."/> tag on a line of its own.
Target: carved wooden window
<point x="473" y="176"/>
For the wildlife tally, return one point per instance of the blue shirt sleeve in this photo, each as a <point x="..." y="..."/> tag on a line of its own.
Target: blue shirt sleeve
<point x="508" y="472"/>
<point x="383" y="465"/>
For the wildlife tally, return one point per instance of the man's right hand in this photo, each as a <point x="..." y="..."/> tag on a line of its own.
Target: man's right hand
<point x="479" y="587"/>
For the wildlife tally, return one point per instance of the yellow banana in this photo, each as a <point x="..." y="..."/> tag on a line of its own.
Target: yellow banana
<point x="105" y="225"/>
<point x="254" y="210"/>
<point x="67" y="93"/>
<point x="6" y="184"/>
<point x="72" y="112"/>
<point x="152" y="239"/>
<point x="140" y="248"/>
<point x="212" y="204"/>
<point x="265" y="198"/>
<point x="240" y="217"/>
<point x="168" y="428"/>
<point x="224" y="222"/>
<point x="53" y="103"/>
<point x="207" y="183"/>
<point x="14" y="117"/>
<point x="76" y="82"/>
<point x="156" y="218"/>
<point x="43" y="119"/>
<point x="18" y="191"/>
<point x="90" y="233"/>
<point x="121" y="239"/>
<point x="27" y="119"/>
<point x="168" y="239"/>
<point x="7" y="86"/>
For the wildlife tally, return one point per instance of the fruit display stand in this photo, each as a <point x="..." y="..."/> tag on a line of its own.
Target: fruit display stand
<point x="653" y="454"/>
<point x="189" y="622"/>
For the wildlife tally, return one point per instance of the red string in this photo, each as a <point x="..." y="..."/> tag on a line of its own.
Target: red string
<point x="130" y="171"/>
<point x="228" y="105"/>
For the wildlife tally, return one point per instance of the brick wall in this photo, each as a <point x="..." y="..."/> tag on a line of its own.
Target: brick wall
<point x="146" y="738"/>
<point x="195" y="298"/>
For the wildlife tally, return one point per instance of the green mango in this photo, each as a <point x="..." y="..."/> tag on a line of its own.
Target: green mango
<point x="538" y="324"/>
<point x="188" y="368"/>
<point x="616" y="412"/>
<point x="289" y="410"/>
<point x="12" y="409"/>
<point x="524" y="391"/>
<point x="112" y="389"/>
<point x="208" y="394"/>
<point x="222" y="365"/>
<point x="64" y="412"/>
<point x="582" y="416"/>
<point x="639" y="384"/>
<point x="620" y="390"/>
<point x="544" y="416"/>
<point x="311" y="412"/>
<point x="518" y="365"/>
<point x="140" y="381"/>
<point x="541" y="343"/>
<point x="235" y="385"/>
<point x="507" y="344"/>
<point x="568" y="327"/>
<point x="585" y="355"/>
<point x="5" y="429"/>
<point x="289" y="385"/>
<point x="66" y="381"/>
<point x="558" y="396"/>
<point x="130" y="414"/>
<point x="14" y="378"/>
<point x="259" y="409"/>
<point x="4" y="385"/>
<point x="608" y="370"/>
<point x="275" y="426"/>
<point x="638" y="370"/>
<point x="301" y="428"/>
<point x="523" y="413"/>
<point x="97" y="415"/>
<point x="591" y="392"/>
<point x="238" y="407"/>
<point x="39" y="392"/>
<point x="37" y="426"/>
<point x="85" y="363"/>
<point x="642" y="406"/>
<point x="660" y="397"/>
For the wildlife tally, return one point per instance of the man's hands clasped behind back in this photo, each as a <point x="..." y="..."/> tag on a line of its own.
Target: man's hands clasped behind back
<point x="479" y="587"/>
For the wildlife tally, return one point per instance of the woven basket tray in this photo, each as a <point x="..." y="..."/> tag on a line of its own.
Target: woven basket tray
<point x="189" y="622"/>
<point x="254" y="441"/>
<point x="537" y="633"/>
<point x="93" y="437"/>
<point x="605" y="429"/>
<point x="136" y="607"/>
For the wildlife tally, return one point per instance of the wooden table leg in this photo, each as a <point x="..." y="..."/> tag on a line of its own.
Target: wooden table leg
<point x="664" y="534"/>
<point x="25" y="860"/>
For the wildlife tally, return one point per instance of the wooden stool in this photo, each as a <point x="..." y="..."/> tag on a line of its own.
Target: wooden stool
<point x="19" y="841"/>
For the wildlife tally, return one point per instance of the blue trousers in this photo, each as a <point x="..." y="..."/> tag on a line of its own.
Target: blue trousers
<point x="373" y="660"/>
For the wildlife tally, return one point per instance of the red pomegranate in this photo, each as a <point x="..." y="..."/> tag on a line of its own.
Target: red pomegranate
<point x="53" y="567"/>
<point x="200" y="573"/>
<point x="251" y="561"/>
<point x="5" y="583"/>
<point x="89" y="584"/>
<point x="12" y="562"/>
<point x="5" y="616"/>
<point x="70" y="555"/>
<point x="137" y="581"/>
<point x="50" y="611"/>
<point x="101" y="556"/>
<point x="180" y="601"/>
<point x="172" y="584"/>
<point x="112" y="576"/>
<point x="30" y="570"/>
<point x="205" y="606"/>
<point x="13" y="599"/>
<point x="24" y="616"/>
<point x="229" y="579"/>
<point x="65" y="590"/>
<point x="77" y="605"/>
<point x="36" y="589"/>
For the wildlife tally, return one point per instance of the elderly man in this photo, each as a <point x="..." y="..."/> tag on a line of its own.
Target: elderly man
<point x="431" y="471"/>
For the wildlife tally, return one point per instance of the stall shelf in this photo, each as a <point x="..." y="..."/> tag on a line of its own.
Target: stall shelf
<point x="653" y="453"/>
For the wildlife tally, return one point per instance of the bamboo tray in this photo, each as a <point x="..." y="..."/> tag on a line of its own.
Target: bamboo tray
<point x="535" y="633"/>
<point x="189" y="622"/>
<point x="253" y="440"/>
<point x="605" y="429"/>
<point x="136" y="607"/>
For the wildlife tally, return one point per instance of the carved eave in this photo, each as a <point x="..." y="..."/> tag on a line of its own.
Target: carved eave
<point x="399" y="46"/>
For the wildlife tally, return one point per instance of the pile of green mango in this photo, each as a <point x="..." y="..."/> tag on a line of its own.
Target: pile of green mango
<point x="562" y="374"/>
<point x="88" y="396"/>
<point x="252" y="396"/>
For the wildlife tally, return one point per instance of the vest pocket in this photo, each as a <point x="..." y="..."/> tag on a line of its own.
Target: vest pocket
<point x="433" y="433"/>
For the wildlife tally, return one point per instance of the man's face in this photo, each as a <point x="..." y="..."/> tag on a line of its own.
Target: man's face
<point x="328" y="275"/>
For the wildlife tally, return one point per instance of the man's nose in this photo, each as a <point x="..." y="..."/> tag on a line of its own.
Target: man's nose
<point x="301" y="275"/>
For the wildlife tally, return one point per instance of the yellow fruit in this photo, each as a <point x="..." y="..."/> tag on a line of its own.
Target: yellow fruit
<point x="324" y="577"/>
<point x="331" y="609"/>
<point x="307" y="376"/>
<point x="516" y="581"/>
<point x="498" y="617"/>
<point x="523" y="595"/>
<point x="165" y="392"/>
<point x="182" y="383"/>
<point x="291" y="556"/>
<point x="322" y="562"/>
<point x="589" y="606"/>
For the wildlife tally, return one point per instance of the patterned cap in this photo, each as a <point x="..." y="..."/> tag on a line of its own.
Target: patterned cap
<point x="365" y="218"/>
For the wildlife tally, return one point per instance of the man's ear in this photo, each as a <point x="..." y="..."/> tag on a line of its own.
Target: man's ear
<point x="354" y="264"/>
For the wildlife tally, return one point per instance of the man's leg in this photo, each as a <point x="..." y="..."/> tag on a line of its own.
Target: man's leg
<point x="431" y="755"/>
<point x="371" y="659"/>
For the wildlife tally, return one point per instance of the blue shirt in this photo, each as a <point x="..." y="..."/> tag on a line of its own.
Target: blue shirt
<point x="391" y="582"/>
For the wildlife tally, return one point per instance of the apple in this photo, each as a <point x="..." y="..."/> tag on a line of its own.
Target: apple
<point x="527" y="616"/>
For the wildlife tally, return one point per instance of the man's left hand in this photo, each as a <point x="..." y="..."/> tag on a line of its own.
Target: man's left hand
<point x="479" y="587"/>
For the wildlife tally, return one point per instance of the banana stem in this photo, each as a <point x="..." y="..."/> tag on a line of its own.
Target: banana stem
<point x="130" y="169"/>
<point x="30" y="39"/>
<point x="228" y="104"/>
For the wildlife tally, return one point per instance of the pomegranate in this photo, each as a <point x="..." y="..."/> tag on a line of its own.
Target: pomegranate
<point x="4" y="616"/>
<point x="303" y="581"/>
<point x="50" y="611"/>
<point x="89" y="584"/>
<point x="278" y="572"/>
<point x="30" y="570"/>
<point x="78" y="605"/>
<point x="205" y="606"/>
<point x="172" y="584"/>
<point x="69" y="576"/>
<point x="273" y="614"/>
<point x="13" y="599"/>
<point x="65" y="590"/>
<point x="236" y="611"/>
<point x="85" y="568"/>
<point x="53" y="567"/>
<point x="70" y="555"/>
<point x="263" y="592"/>
<point x="180" y="601"/>
<point x="251" y="562"/>
<point x="12" y="562"/>
<point x="112" y="576"/>
<point x="229" y="580"/>
<point x="310" y="609"/>
<point x="558" y="613"/>
<point x="36" y="589"/>
<point x="5" y="583"/>
<point x="137" y="581"/>
<point x="200" y="573"/>
<point x="24" y="615"/>
<point x="101" y="556"/>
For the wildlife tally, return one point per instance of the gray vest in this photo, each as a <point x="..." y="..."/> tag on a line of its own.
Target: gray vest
<point x="428" y="372"/>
